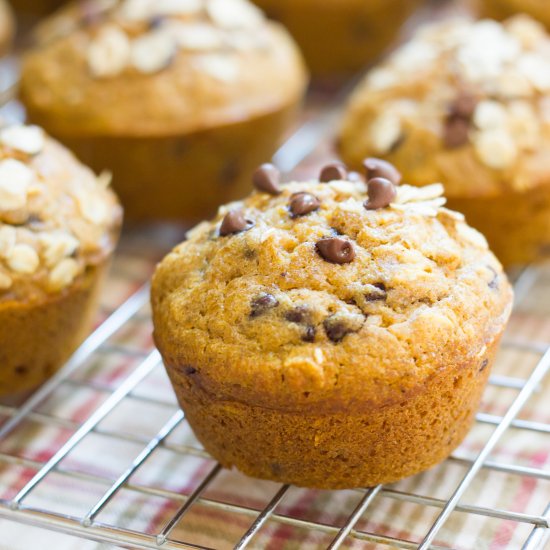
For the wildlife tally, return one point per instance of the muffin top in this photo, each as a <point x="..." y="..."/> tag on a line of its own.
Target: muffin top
<point x="331" y="291"/>
<point x="466" y="103"/>
<point x="158" y="67"/>
<point x="56" y="217"/>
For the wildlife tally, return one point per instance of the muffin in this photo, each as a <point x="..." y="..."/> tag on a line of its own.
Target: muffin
<point x="339" y="37"/>
<point x="501" y="9"/>
<point x="467" y="104"/>
<point x="58" y="227"/>
<point x="331" y="334"/>
<point x="180" y="100"/>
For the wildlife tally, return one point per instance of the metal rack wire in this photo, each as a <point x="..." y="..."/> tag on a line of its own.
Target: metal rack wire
<point x="123" y="338"/>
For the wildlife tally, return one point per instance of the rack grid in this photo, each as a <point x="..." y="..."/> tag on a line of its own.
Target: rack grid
<point x="164" y="488"/>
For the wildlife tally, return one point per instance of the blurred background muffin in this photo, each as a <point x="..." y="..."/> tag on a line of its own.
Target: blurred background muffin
<point x="59" y="224"/>
<point x="181" y="99"/>
<point x="467" y="104"/>
<point x="340" y="36"/>
<point x="501" y="9"/>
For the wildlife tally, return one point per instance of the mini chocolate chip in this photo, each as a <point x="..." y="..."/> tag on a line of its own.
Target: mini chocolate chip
<point x="336" y="329"/>
<point x="300" y="314"/>
<point x="484" y="365"/>
<point x="333" y="172"/>
<point x="456" y="132"/>
<point x="309" y="334"/>
<point x="378" y="168"/>
<point x="381" y="193"/>
<point x="463" y="106"/>
<point x="262" y="303"/>
<point x="189" y="370"/>
<point x="266" y="179"/>
<point x="379" y="294"/>
<point x="235" y="222"/>
<point x="303" y="203"/>
<point x="335" y="250"/>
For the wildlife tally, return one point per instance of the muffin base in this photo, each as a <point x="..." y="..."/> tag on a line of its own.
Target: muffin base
<point x="185" y="177"/>
<point x="37" y="339"/>
<point x="516" y="225"/>
<point x="345" y="448"/>
<point x="340" y="37"/>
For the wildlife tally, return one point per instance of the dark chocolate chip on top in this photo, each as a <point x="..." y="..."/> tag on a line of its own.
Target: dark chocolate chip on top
<point x="378" y="168"/>
<point x="262" y="304"/>
<point x="235" y="222"/>
<point x="333" y="172"/>
<point x="381" y="192"/>
<point x="302" y="204"/>
<point x="335" y="250"/>
<point x="337" y="328"/>
<point x="266" y="179"/>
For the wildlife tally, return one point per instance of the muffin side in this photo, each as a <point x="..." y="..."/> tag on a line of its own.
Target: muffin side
<point x="465" y="103"/>
<point x="303" y="314"/>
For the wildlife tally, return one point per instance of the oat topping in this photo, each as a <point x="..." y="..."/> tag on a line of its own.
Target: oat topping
<point x="146" y="35"/>
<point x="501" y="69"/>
<point x="56" y="217"/>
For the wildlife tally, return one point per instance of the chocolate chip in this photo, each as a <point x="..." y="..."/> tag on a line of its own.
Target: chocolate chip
<point x="457" y="123"/>
<point x="303" y="203"/>
<point x="266" y="179"/>
<point x="379" y="294"/>
<point x="309" y="334"/>
<point x="378" y="168"/>
<point x="336" y="329"/>
<point x="189" y="370"/>
<point x="333" y="172"/>
<point x="463" y="106"/>
<point x="484" y="365"/>
<point x="381" y="191"/>
<point x="335" y="250"/>
<point x="300" y="315"/>
<point x="456" y="132"/>
<point x="262" y="303"/>
<point x="235" y="222"/>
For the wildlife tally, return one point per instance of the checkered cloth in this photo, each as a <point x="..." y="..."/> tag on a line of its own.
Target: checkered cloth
<point x="102" y="458"/>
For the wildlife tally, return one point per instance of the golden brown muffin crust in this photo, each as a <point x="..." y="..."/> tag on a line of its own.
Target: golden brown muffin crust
<point x="259" y="316"/>
<point x="56" y="217"/>
<point x="159" y="68"/>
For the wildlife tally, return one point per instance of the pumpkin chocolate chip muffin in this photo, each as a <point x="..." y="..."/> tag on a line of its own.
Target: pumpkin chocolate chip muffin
<point x="331" y="334"/>
<point x="501" y="9"/>
<point x="340" y="36"/>
<point x="58" y="227"/>
<point x="180" y="99"/>
<point x="467" y="104"/>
